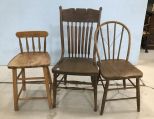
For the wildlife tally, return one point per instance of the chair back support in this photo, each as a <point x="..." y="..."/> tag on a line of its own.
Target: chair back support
<point x="76" y="28"/>
<point x="30" y="41"/>
<point x="115" y="39"/>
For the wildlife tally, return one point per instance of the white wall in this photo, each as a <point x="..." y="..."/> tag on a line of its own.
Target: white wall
<point x="18" y="15"/>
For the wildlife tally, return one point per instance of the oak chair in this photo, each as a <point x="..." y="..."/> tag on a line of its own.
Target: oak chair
<point x="33" y="55"/>
<point x="114" y="44"/>
<point x="77" y="48"/>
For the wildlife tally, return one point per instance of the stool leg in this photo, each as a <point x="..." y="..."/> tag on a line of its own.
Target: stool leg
<point x="104" y="97"/>
<point x="138" y="93"/>
<point x="23" y="79"/>
<point x="46" y="75"/>
<point x="50" y="79"/>
<point x="15" y="89"/>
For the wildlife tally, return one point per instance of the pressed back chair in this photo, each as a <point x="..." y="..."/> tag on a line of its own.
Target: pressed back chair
<point x="114" y="62"/>
<point x="33" y="54"/>
<point x="77" y="47"/>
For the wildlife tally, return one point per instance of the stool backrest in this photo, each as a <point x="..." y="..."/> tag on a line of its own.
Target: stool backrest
<point x="32" y="41"/>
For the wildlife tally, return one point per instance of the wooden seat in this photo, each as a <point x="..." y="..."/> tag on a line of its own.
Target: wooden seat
<point x="118" y="69"/>
<point x="76" y="66"/>
<point x="77" y="48"/>
<point x="31" y="57"/>
<point x="113" y="62"/>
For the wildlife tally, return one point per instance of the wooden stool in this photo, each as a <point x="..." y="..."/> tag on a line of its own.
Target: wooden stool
<point x="38" y="57"/>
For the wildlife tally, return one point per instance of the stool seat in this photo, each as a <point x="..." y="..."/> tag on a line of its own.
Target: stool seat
<point x="30" y="59"/>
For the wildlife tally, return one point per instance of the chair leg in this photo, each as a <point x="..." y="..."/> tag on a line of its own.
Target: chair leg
<point x="50" y="79"/>
<point x="23" y="79"/>
<point x="65" y="79"/>
<point x="46" y="75"/>
<point x="15" y="89"/>
<point x="54" y="89"/>
<point x="92" y="81"/>
<point x="95" y="92"/>
<point x="138" y="93"/>
<point x="124" y="83"/>
<point x="104" y="97"/>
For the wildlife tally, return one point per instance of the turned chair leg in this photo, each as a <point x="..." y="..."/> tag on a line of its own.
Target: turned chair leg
<point x="138" y="93"/>
<point x="23" y="79"/>
<point x="15" y="89"/>
<point x="104" y="97"/>
<point x="54" y="89"/>
<point x="47" y="84"/>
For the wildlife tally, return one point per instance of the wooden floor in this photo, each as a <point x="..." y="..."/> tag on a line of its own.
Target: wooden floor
<point x="72" y="104"/>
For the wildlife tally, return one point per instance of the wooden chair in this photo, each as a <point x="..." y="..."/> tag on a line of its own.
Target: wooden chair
<point x="113" y="61"/>
<point x="148" y="32"/>
<point x="76" y="28"/>
<point x="32" y="57"/>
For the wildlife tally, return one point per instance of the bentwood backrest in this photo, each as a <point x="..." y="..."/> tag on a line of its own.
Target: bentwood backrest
<point x="30" y="41"/>
<point x="77" y="28"/>
<point x="115" y="39"/>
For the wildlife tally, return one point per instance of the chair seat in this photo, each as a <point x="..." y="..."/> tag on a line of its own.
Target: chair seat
<point x="30" y="59"/>
<point x="72" y="66"/>
<point x="118" y="69"/>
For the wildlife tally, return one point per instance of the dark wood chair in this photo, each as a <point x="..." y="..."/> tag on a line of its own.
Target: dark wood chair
<point x="34" y="56"/>
<point x="77" y="47"/>
<point x="148" y="32"/>
<point x="114" y="60"/>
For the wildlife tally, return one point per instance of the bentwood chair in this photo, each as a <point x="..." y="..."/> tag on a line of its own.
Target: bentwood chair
<point x="77" y="48"/>
<point x="114" y="43"/>
<point x="33" y="55"/>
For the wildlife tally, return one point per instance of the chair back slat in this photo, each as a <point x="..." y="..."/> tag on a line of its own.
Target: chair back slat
<point x="76" y="39"/>
<point x="33" y="44"/>
<point x="30" y="37"/>
<point x="86" y="38"/>
<point x="27" y="44"/>
<point x="108" y="39"/>
<point x="116" y="40"/>
<point x="39" y="44"/>
<point x="68" y="36"/>
<point x="72" y="39"/>
<point x="90" y="37"/>
<point x="79" y="24"/>
<point x="79" y="39"/>
<point x="20" y="43"/>
<point x="121" y="38"/>
<point x="83" y="38"/>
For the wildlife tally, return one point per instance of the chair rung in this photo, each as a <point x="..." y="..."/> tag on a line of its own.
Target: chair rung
<point x="75" y="88"/>
<point x="78" y="82"/>
<point x="121" y="99"/>
<point x="120" y="88"/>
<point x="32" y="78"/>
<point x="32" y="98"/>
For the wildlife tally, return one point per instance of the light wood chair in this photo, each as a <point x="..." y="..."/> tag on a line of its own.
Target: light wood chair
<point x="114" y="65"/>
<point x="33" y="56"/>
<point x="77" y="47"/>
